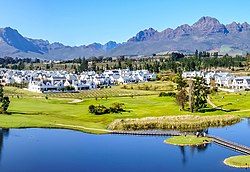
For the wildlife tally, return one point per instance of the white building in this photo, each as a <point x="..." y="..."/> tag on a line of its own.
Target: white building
<point x="241" y="83"/>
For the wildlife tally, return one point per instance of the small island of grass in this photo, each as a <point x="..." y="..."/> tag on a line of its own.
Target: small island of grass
<point x="238" y="161"/>
<point x="187" y="140"/>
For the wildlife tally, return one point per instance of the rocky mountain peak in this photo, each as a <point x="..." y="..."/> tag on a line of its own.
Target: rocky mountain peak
<point x="245" y="26"/>
<point x="110" y="45"/>
<point x="143" y="35"/>
<point x="234" y="27"/>
<point x="165" y="34"/>
<point x="182" y="30"/>
<point x="209" y="25"/>
<point x="205" y="35"/>
<point x="13" y="38"/>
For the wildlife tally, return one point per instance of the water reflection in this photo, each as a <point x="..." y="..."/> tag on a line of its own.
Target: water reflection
<point x="3" y="133"/>
<point x="65" y="150"/>
<point x="198" y="148"/>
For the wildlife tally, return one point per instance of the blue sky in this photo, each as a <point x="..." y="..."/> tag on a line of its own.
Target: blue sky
<point x="78" y="22"/>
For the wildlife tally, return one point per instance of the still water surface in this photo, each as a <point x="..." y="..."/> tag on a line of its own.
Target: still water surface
<point x="52" y="150"/>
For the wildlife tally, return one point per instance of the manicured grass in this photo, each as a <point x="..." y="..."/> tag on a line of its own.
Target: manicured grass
<point x="33" y="110"/>
<point x="237" y="103"/>
<point x="187" y="140"/>
<point x="39" y="112"/>
<point x="238" y="161"/>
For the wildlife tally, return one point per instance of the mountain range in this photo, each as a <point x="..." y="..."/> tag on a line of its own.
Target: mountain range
<point x="207" y="34"/>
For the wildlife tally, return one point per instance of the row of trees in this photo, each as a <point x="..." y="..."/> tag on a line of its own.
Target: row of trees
<point x="11" y="60"/>
<point x="174" y="62"/>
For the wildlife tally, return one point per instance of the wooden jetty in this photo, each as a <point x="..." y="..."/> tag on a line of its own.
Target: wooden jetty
<point x="148" y="133"/>
<point x="217" y="140"/>
<point x="230" y="145"/>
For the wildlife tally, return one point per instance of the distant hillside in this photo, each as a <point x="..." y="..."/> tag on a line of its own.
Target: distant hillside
<point x="207" y="34"/>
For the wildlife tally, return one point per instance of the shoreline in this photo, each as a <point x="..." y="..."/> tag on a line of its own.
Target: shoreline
<point x="188" y="140"/>
<point x="187" y="144"/>
<point x="234" y="165"/>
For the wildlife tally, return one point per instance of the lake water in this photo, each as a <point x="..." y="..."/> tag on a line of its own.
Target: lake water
<point x="52" y="150"/>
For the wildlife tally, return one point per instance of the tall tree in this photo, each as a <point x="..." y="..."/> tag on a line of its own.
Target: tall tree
<point x="181" y="96"/>
<point x="83" y="65"/>
<point x="4" y="101"/>
<point x="199" y="91"/>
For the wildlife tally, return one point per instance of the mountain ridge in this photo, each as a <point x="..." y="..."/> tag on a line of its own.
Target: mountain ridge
<point x="207" y="34"/>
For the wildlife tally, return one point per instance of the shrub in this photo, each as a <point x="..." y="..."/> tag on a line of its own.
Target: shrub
<point x="146" y="87"/>
<point x="91" y="109"/>
<point x="117" y="107"/>
<point x="165" y="94"/>
<point x="100" y="109"/>
<point x="69" y="88"/>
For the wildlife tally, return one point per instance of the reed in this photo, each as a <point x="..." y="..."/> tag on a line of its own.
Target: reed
<point x="181" y="123"/>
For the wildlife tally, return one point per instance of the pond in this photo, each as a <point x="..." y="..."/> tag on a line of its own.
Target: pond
<point x="40" y="150"/>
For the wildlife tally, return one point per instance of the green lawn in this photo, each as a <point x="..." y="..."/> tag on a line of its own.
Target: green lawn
<point x="187" y="140"/>
<point x="33" y="110"/>
<point x="237" y="103"/>
<point x="238" y="161"/>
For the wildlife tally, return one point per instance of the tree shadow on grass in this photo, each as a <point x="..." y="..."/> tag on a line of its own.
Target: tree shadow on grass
<point x="204" y="110"/>
<point x="14" y="112"/>
<point x="25" y="113"/>
<point x="230" y="110"/>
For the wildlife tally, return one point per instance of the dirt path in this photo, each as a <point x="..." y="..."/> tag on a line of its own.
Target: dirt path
<point x="211" y="103"/>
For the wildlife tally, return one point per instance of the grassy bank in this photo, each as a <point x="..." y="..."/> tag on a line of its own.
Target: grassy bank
<point x="187" y="140"/>
<point x="182" y="123"/>
<point x="238" y="161"/>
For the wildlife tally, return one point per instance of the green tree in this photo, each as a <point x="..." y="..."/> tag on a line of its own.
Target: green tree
<point x="248" y="61"/>
<point x="47" y="66"/>
<point x="92" y="109"/>
<point x="31" y="67"/>
<point x="4" y="101"/>
<point x="181" y="96"/>
<point x="199" y="91"/>
<point x="117" y="107"/>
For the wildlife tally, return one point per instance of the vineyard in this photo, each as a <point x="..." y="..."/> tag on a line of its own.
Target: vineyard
<point x="152" y="86"/>
<point x="104" y="93"/>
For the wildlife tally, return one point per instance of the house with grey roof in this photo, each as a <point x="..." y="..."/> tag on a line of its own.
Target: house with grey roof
<point x="241" y="83"/>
